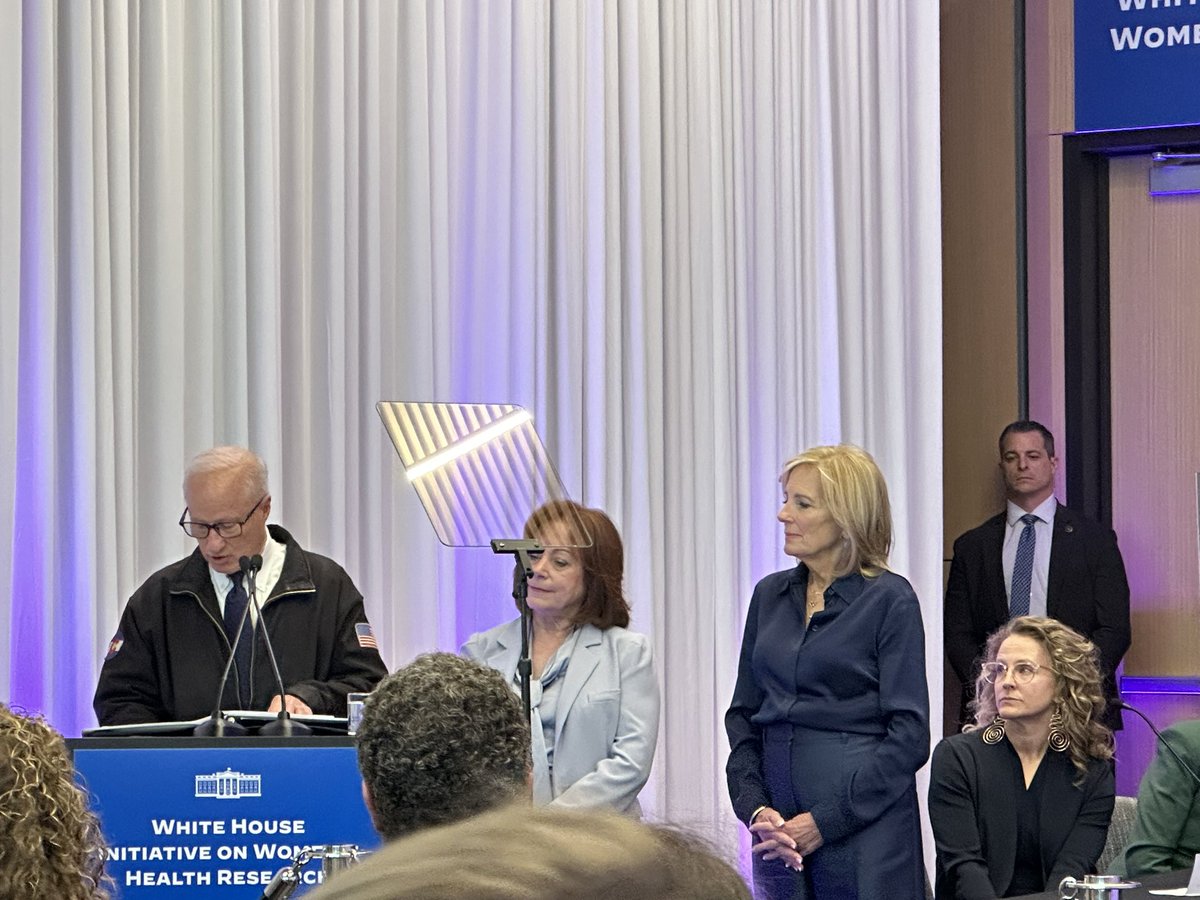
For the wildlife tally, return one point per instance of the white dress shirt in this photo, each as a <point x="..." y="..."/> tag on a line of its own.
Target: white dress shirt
<point x="273" y="555"/>
<point x="1043" y="531"/>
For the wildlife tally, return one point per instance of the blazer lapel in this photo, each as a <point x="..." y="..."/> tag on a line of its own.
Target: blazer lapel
<point x="996" y="790"/>
<point x="584" y="659"/>
<point x="507" y="654"/>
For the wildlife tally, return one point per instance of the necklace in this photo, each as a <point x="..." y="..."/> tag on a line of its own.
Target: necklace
<point x="815" y="601"/>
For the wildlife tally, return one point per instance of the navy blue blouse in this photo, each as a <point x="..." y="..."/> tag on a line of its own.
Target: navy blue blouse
<point x="858" y="667"/>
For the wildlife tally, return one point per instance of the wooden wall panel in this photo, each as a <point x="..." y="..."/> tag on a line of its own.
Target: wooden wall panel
<point x="979" y="259"/>
<point x="979" y="287"/>
<point x="1154" y="273"/>
<point x="1060" y="72"/>
<point x="1050" y="110"/>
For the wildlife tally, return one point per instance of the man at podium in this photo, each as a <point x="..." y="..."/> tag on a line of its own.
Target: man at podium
<point x="176" y="633"/>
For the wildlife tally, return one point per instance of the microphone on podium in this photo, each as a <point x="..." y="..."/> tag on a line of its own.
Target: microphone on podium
<point x="217" y="725"/>
<point x="283" y="726"/>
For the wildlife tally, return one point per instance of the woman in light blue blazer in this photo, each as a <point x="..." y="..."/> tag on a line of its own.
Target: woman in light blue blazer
<point x="593" y="693"/>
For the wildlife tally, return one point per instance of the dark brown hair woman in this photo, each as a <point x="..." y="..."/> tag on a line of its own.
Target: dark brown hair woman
<point x="594" y="697"/>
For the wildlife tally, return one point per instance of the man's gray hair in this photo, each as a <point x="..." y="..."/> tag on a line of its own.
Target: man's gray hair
<point x="221" y="459"/>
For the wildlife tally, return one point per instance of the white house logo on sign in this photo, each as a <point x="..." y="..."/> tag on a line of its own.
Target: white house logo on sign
<point x="228" y="785"/>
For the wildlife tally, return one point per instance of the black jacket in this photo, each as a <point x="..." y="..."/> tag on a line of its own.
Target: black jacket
<point x="1086" y="589"/>
<point x="973" y="812"/>
<point x="166" y="659"/>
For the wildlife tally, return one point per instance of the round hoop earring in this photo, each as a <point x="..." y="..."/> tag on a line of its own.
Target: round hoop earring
<point x="994" y="733"/>
<point x="1058" y="740"/>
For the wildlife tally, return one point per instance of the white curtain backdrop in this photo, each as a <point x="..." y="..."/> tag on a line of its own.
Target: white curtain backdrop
<point x="691" y="236"/>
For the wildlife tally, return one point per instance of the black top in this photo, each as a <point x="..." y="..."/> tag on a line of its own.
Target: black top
<point x="973" y="808"/>
<point x="1028" y="875"/>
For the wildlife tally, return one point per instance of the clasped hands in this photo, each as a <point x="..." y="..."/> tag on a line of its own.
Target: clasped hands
<point x="788" y="841"/>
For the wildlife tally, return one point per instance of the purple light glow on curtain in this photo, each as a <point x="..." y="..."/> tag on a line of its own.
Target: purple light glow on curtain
<point x="32" y="498"/>
<point x="51" y="635"/>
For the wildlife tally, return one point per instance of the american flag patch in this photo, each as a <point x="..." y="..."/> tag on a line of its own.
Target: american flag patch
<point x="366" y="636"/>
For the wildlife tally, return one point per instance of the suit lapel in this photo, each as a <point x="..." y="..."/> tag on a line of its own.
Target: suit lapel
<point x="1060" y="548"/>
<point x="584" y="659"/>
<point x="997" y="594"/>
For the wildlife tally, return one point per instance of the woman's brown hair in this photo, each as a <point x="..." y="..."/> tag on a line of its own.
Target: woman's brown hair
<point x="591" y="534"/>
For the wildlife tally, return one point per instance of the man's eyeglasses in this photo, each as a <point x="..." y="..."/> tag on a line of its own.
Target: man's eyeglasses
<point x="227" y="530"/>
<point x="1023" y="672"/>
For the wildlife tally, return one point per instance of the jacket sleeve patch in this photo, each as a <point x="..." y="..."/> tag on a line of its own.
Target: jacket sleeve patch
<point x="365" y="635"/>
<point x="114" y="646"/>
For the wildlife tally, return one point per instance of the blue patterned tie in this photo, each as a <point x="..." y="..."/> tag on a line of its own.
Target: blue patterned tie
<point x="1022" y="574"/>
<point x="235" y="605"/>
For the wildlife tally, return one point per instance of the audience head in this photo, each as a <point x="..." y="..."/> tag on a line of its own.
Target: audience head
<point x="1076" y="693"/>
<point x="542" y="854"/>
<point x="856" y="495"/>
<point x="592" y="537"/>
<point x="441" y="739"/>
<point x="50" y="843"/>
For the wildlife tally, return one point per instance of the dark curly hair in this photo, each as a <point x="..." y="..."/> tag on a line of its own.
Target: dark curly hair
<point x="441" y="739"/>
<point x="600" y="552"/>
<point x="1077" y="694"/>
<point x="50" y="843"/>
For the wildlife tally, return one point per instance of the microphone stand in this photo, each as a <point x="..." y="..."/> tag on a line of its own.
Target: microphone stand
<point x="283" y="726"/>
<point x="217" y="725"/>
<point x="521" y="549"/>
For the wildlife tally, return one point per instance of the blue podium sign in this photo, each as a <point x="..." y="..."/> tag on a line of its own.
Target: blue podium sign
<point x="208" y="817"/>
<point x="1137" y="64"/>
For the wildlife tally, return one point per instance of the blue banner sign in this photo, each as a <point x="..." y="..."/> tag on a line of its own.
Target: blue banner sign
<point x="220" y="820"/>
<point x="1137" y="63"/>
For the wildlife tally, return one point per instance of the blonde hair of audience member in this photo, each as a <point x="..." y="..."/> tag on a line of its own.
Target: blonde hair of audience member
<point x="856" y="495"/>
<point x="50" y="843"/>
<point x="1078" y="695"/>
<point x="525" y="853"/>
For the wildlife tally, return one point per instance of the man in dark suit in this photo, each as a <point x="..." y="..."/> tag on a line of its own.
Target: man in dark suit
<point x="1058" y="562"/>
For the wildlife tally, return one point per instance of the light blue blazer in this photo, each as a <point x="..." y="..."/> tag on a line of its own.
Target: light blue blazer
<point x="606" y="727"/>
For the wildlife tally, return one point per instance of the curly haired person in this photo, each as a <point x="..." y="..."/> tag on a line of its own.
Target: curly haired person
<point x="50" y="843"/>
<point x="441" y="739"/>
<point x="1024" y="796"/>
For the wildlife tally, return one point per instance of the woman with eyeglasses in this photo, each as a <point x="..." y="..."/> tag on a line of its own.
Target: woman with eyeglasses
<point x="1023" y="797"/>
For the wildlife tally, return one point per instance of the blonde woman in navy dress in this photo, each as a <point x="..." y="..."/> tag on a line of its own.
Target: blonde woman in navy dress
<point x="830" y="715"/>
